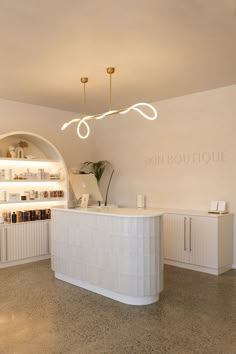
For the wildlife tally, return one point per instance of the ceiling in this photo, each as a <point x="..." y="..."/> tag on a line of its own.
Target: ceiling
<point x="160" y="49"/>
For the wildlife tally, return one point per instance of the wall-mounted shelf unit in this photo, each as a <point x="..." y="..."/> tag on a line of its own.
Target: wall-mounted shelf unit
<point x="44" y="174"/>
<point x="29" y="181"/>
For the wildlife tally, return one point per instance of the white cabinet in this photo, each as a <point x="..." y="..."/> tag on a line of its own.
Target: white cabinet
<point x="24" y="242"/>
<point x="202" y="243"/>
<point x="175" y="240"/>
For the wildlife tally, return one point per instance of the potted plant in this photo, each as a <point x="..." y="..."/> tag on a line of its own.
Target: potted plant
<point x="97" y="168"/>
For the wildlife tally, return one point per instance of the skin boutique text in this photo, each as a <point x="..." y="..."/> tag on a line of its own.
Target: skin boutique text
<point x="185" y="158"/>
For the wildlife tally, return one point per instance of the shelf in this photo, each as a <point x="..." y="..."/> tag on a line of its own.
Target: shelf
<point x="32" y="201"/>
<point x="31" y="180"/>
<point x="4" y="159"/>
<point x="23" y="222"/>
<point x="11" y="163"/>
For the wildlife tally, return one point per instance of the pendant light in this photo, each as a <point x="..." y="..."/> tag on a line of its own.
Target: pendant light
<point x="82" y="122"/>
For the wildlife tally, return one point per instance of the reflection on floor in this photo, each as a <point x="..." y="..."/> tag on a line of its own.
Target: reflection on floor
<point x="42" y="315"/>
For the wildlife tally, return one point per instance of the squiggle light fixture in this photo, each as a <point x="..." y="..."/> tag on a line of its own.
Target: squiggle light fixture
<point x="82" y="122"/>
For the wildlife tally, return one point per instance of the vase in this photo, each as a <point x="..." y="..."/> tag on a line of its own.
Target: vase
<point x="11" y="152"/>
<point x="20" y="154"/>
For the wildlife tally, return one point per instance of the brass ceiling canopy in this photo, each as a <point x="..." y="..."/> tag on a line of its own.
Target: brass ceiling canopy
<point x="110" y="70"/>
<point x="84" y="80"/>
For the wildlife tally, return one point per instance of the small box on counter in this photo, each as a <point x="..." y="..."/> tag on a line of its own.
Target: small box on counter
<point x="14" y="197"/>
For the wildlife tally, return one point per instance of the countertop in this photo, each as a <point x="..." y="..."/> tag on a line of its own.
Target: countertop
<point x="139" y="212"/>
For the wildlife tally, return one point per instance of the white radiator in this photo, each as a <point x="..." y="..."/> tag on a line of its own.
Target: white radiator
<point x="24" y="240"/>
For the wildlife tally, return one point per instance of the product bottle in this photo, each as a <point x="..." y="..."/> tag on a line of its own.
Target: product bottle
<point x="23" y="216"/>
<point x="8" y="217"/>
<point x="18" y="216"/>
<point x="4" y="215"/>
<point x="42" y="214"/>
<point x="32" y="215"/>
<point x="48" y="213"/>
<point x="13" y="217"/>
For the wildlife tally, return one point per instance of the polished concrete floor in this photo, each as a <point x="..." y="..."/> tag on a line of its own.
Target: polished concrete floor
<point x="42" y="315"/>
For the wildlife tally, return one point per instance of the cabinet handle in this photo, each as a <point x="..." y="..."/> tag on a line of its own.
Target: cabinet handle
<point x="6" y="240"/>
<point x="190" y="234"/>
<point x="1" y="246"/>
<point x="185" y="248"/>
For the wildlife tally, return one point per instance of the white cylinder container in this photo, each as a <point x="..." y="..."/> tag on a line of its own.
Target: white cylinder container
<point x="140" y="201"/>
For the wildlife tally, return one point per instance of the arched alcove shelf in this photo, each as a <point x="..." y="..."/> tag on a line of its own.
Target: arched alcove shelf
<point x="38" y="147"/>
<point x="39" y="154"/>
<point x="30" y="184"/>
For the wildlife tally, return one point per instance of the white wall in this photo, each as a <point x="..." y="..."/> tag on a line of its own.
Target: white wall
<point x="148" y="157"/>
<point x="184" y="159"/>
<point x="46" y="122"/>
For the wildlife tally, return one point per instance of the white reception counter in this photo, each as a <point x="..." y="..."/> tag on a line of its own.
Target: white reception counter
<point x="115" y="252"/>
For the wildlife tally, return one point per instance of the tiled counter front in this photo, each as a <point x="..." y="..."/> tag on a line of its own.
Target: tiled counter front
<point x="113" y="255"/>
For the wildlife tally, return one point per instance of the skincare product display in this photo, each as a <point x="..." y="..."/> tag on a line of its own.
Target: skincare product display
<point x="9" y="217"/>
<point x="30" y="195"/>
<point x="38" y="175"/>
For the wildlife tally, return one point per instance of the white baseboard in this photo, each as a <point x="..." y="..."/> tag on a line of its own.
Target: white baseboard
<point x="234" y="266"/>
<point x="197" y="268"/>
<point x="24" y="261"/>
<point x="130" y="300"/>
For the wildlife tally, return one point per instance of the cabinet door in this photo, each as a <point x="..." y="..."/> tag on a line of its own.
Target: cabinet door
<point x="2" y="244"/>
<point x="203" y="241"/>
<point x="176" y="242"/>
<point x="27" y="240"/>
